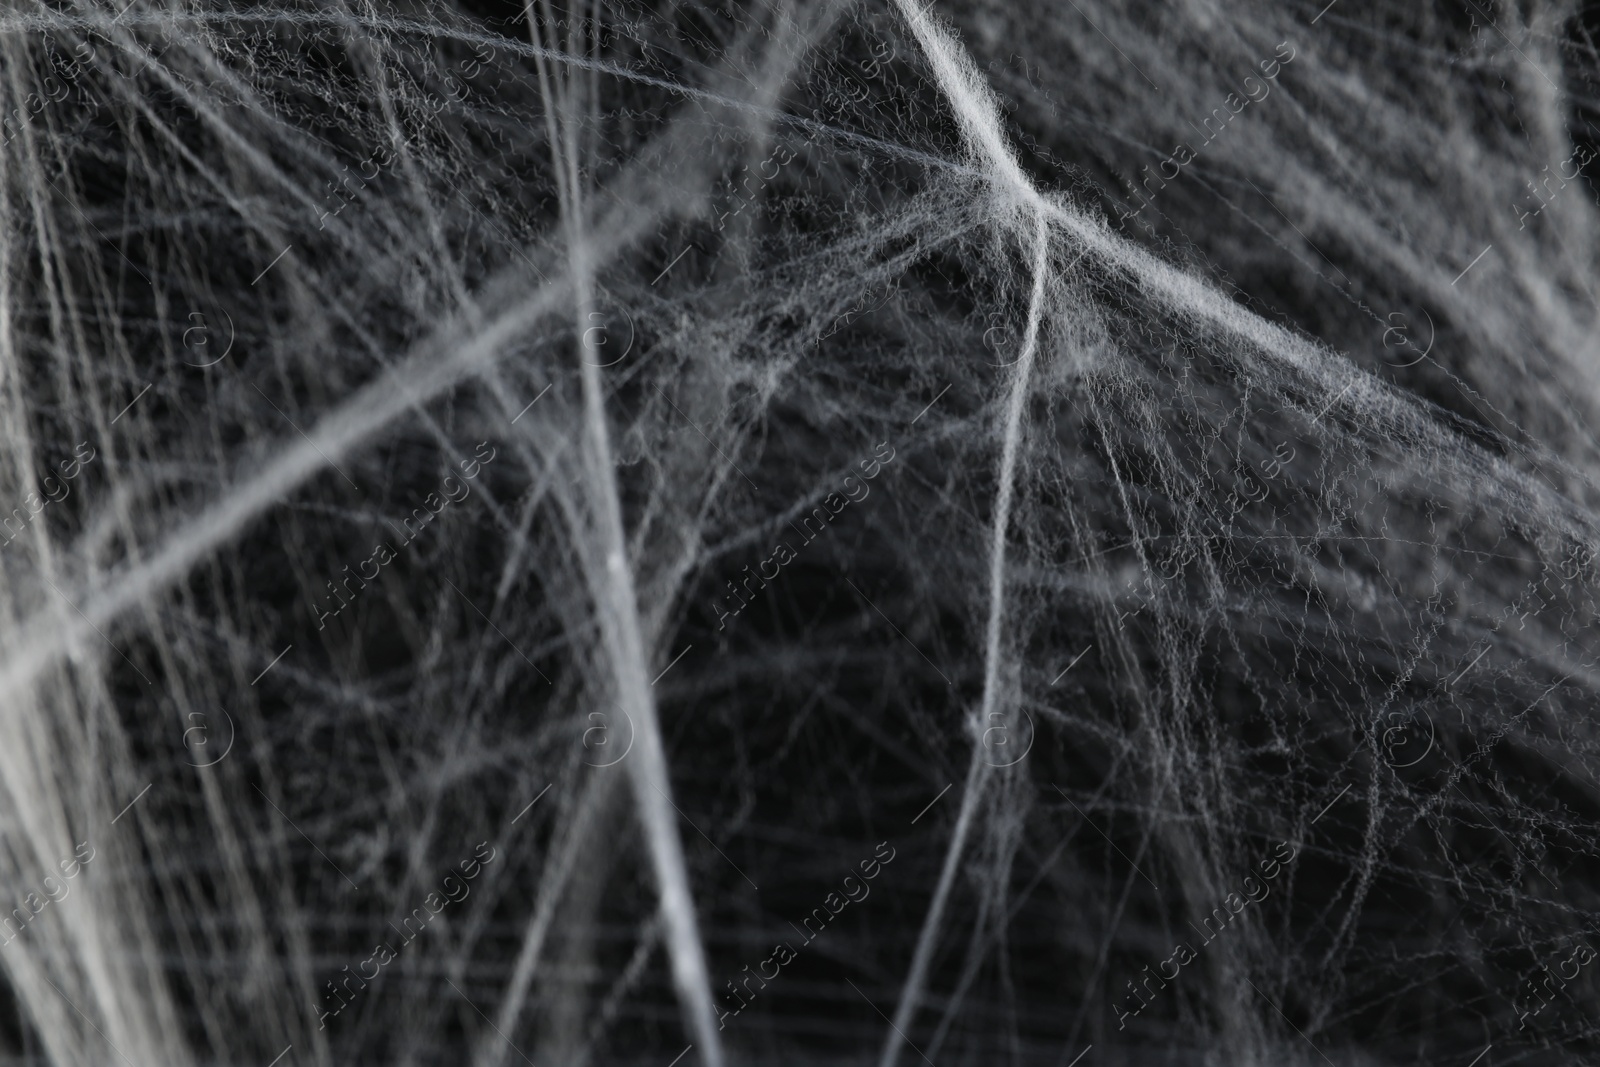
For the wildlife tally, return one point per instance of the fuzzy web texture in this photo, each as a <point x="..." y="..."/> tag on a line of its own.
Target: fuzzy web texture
<point x="582" y="497"/>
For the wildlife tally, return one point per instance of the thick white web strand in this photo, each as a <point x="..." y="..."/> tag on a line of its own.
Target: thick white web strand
<point x="617" y="607"/>
<point x="419" y="379"/>
<point x="976" y="111"/>
<point x="370" y="411"/>
<point x="42" y="733"/>
<point x="1182" y="294"/>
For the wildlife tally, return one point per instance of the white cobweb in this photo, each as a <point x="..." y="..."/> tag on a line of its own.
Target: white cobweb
<point x="861" y="449"/>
